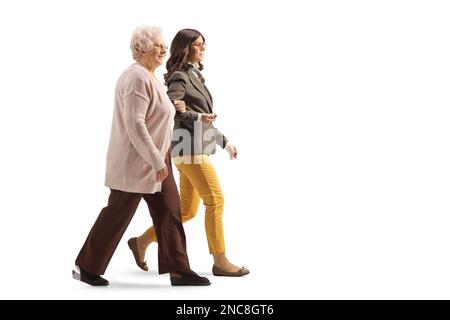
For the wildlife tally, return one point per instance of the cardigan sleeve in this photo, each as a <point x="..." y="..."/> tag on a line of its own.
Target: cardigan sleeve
<point x="176" y="85"/>
<point x="136" y="101"/>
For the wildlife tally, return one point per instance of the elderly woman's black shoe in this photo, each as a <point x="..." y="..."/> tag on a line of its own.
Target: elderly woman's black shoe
<point x="89" y="278"/>
<point x="188" y="278"/>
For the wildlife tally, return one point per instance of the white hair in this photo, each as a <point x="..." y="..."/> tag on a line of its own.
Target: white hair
<point x="143" y="39"/>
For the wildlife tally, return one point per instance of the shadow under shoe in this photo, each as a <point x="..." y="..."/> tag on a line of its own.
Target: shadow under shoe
<point x="189" y="278"/>
<point x="89" y="278"/>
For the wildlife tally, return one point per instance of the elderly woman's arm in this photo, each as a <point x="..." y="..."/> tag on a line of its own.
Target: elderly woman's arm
<point x="136" y="103"/>
<point x="176" y="90"/>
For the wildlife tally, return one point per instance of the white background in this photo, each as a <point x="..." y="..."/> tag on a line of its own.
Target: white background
<point x="339" y="109"/>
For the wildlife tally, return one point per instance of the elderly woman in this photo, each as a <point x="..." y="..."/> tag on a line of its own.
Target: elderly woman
<point x="139" y="166"/>
<point x="198" y="178"/>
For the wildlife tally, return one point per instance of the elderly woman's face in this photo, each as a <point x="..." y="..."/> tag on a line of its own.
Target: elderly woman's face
<point x="158" y="52"/>
<point x="196" y="50"/>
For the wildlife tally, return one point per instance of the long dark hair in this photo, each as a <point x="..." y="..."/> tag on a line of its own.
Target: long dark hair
<point x="179" y="51"/>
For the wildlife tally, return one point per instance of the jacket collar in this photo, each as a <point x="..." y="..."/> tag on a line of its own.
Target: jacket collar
<point x="200" y="86"/>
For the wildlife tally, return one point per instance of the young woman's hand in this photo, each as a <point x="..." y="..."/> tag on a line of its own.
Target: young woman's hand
<point x="232" y="151"/>
<point x="208" y="117"/>
<point x="180" y="106"/>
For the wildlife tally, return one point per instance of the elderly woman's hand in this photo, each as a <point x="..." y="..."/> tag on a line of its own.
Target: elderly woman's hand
<point x="162" y="174"/>
<point x="180" y="106"/>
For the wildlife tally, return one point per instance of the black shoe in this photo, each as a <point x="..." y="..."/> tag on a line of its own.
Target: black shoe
<point x="189" y="278"/>
<point x="89" y="278"/>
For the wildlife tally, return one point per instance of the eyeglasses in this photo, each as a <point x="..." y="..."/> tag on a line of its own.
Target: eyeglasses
<point x="199" y="45"/>
<point x="161" y="46"/>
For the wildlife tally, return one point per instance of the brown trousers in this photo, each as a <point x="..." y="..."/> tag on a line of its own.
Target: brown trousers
<point x="114" y="219"/>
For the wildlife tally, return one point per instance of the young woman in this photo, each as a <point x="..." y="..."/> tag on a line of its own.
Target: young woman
<point x="193" y="123"/>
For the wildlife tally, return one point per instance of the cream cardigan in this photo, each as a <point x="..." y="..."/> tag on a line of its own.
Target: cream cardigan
<point x="140" y="134"/>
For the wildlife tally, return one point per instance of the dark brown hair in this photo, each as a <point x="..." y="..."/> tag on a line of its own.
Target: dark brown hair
<point x="179" y="51"/>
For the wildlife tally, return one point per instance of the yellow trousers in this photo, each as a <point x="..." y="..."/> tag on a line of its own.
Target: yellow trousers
<point x="198" y="180"/>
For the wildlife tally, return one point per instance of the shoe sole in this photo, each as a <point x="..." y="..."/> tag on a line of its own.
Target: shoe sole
<point x="191" y="285"/>
<point x="175" y="283"/>
<point x="231" y="275"/>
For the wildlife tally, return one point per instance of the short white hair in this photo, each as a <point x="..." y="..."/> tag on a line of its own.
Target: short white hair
<point x="143" y="39"/>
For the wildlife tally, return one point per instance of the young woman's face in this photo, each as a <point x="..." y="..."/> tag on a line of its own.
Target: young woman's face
<point x="196" y="50"/>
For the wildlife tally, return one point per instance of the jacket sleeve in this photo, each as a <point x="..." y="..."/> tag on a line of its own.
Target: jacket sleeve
<point x="136" y="101"/>
<point x="176" y="85"/>
<point x="221" y="140"/>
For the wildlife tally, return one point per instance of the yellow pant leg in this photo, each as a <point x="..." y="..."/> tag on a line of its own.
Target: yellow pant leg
<point x="189" y="203"/>
<point x="202" y="176"/>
